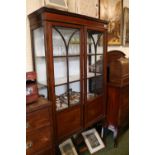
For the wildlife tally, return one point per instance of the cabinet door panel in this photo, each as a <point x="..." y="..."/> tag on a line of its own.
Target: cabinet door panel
<point x="68" y="121"/>
<point x="94" y="110"/>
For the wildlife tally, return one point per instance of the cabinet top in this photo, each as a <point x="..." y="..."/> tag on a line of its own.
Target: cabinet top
<point x="45" y="13"/>
<point x="39" y="104"/>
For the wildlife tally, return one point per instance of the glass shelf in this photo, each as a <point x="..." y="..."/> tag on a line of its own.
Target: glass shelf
<point x="91" y="74"/>
<point x="63" y="80"/>
<point x="91" y="96"/>
<point x="64" y="56"/>
<point x="41" y="85"/>
<point x="93" y="54"/>
<point x="40" y="56"/>
<point x="74" y="78"/>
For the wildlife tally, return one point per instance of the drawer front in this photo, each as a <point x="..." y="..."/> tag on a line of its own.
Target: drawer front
<point x="31" y="93"/>
<point x="38" y="140"/>
<point x="37" y="120"/>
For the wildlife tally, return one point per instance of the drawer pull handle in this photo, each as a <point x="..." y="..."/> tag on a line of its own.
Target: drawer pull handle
<point x="27" y="125"/>
<point x="29" y="144"/>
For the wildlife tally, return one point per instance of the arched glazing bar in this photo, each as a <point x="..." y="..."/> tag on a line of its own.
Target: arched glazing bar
<point x="67" y="54"/>
<point x="95" y="44"/>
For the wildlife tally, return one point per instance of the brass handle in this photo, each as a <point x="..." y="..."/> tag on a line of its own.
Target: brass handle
<point x="27" y="125"/>
<point x="29" y="144"/>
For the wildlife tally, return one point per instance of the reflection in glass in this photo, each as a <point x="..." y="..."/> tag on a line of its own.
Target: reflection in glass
<point x="94" y="64"/>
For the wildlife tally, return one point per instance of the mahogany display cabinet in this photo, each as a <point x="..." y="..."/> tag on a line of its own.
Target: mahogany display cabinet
<point x="67" y="49"/>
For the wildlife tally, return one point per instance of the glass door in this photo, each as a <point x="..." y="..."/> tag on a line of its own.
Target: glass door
<point x="94" y="64"/>
<point x="40" y="61"/>
<point x="67" y="73"/>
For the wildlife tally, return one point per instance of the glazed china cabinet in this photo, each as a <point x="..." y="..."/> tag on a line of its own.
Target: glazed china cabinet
<point x="69" y="53"/>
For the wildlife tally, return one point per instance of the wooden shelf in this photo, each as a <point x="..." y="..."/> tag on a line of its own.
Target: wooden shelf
<point x="93" y="54"/>
<point x="63" y="80"/>
<point x="74" y="78"/>
<point x="64" y="56"/>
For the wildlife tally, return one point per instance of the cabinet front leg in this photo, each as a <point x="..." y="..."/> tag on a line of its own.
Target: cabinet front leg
<point x="104" y="132"/>
<point x="115" y="134"/>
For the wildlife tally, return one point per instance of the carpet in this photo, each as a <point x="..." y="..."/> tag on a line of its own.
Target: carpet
<point x="121" y="149"/>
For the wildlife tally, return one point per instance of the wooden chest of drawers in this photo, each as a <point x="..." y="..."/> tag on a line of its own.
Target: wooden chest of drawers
<point x="39" y="128"/>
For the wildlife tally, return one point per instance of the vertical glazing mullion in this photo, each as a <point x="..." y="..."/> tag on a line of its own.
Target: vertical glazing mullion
<point x="66" y="46"/>
<point x="95" y="60"/>
<point x="67" y="51"/>
<point x="68" y="97"/>
<point x="95" y="65"/>
<point x="89" y="56"/>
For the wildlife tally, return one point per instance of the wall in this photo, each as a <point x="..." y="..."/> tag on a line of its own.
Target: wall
<point x="123" y="49"/>
<point x="28" y="48"/>
<point x="38" y="3"/>
<point x="31" y="5"/>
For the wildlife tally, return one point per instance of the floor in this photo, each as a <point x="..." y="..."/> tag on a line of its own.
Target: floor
<point x="122" y="148"/>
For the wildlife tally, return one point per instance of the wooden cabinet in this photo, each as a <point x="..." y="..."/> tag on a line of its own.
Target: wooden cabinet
<point x="84" y="7"/>
<point x="69" y="53"/>
<point x="39" y="128"/>
<point x="118" y="105"/>
<point x="118" y="93"/>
